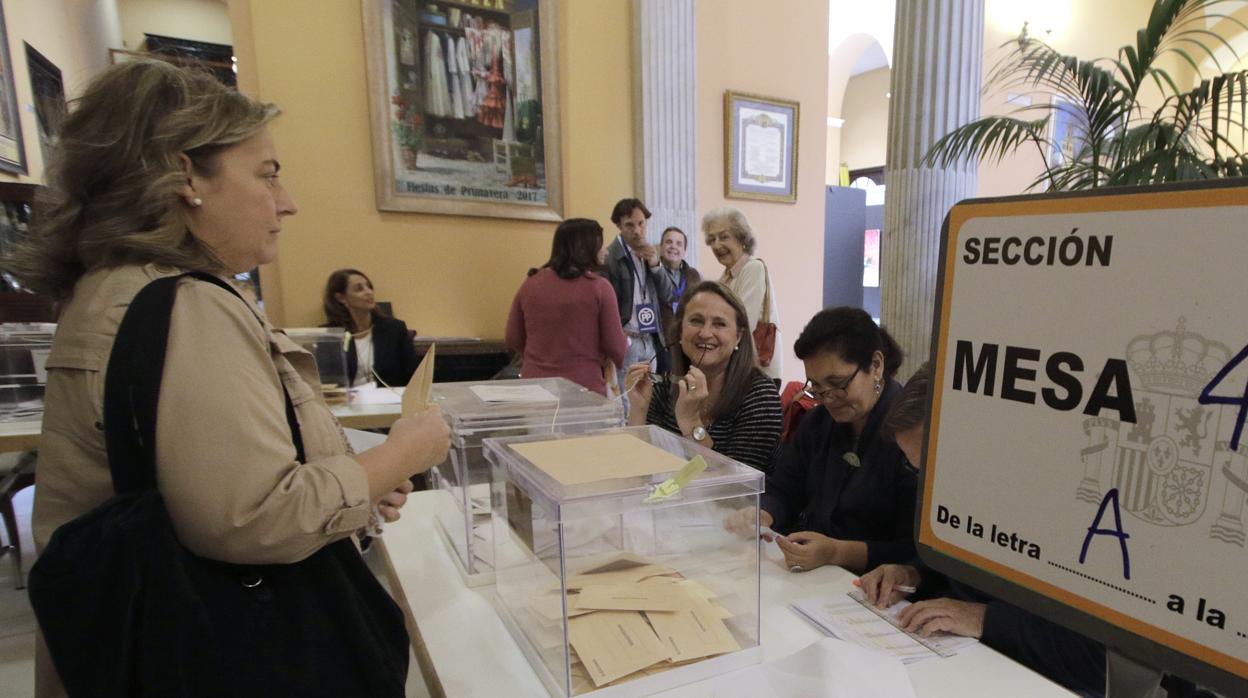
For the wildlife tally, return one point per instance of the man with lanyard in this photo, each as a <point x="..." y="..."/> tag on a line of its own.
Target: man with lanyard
<point x="672" y="246"/>
<point x="642" y="288"/>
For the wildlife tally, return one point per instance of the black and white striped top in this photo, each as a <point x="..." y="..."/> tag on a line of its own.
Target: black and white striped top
<point x="749" y="434"/>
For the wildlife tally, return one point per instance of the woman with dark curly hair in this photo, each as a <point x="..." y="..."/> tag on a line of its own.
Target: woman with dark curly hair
<point x="841" y="493"/>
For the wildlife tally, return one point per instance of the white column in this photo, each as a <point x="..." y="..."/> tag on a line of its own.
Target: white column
<point x="937" y="54"/>
<point x="665" y="90"/>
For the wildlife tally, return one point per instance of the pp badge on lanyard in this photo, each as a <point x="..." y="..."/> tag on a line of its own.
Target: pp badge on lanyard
<point x="647" y="318"/>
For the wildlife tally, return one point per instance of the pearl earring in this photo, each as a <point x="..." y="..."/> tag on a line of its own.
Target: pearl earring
<point x="197" y="202"/>
<point x="878" y="387"/>
<point x="736" y="347"/>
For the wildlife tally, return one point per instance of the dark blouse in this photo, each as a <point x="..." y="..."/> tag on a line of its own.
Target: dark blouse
<point x="749" y="434"/>
<point x="813" y="487"/>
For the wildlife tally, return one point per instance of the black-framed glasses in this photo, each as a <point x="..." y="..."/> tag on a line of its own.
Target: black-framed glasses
<point x="809" y="390"/>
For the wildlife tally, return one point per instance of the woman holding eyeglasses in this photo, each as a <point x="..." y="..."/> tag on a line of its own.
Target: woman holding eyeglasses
<point x="840" y="493"/>
<point x="716" y="393"/>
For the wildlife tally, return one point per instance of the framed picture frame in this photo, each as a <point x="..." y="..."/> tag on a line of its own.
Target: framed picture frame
<point x="48" y="92"/>
<point x="760" y="147"/>
<point x="12" y="149"/>
<point x="463" y="101"/>
<point x="1068" y="132"/>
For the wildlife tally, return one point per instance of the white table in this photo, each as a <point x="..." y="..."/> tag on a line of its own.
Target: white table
<point x="474" y="655"/>
<point x="24" y="435"/>
<point x="355" y="416"/>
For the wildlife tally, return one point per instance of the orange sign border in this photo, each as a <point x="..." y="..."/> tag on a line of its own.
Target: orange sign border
<point x="959" y="215"/>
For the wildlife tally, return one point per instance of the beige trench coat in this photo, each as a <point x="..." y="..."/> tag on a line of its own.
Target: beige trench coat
<point x="226" y="466"/>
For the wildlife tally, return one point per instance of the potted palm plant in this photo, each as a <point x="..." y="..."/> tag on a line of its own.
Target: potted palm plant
<point x="1108" y="136"/>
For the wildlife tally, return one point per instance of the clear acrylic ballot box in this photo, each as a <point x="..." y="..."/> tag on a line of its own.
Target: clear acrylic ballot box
<point x="24" y="349"/>
<point x="481" y="409"/>
<point x="327" y="346"/>
<point x="610" y="588"/>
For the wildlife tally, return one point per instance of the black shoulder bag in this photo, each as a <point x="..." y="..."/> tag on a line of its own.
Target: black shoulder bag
<point x="126" y="610"/>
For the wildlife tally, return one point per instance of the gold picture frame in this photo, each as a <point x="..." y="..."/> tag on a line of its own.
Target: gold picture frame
<point x="464" y="107"/>
<point x="760" y="147"/>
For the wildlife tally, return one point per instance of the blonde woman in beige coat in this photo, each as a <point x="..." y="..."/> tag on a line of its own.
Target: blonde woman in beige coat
<point x="162" y="171"/>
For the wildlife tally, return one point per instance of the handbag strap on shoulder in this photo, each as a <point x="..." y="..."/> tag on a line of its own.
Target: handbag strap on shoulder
<point x="766" y="315"/>
<point x="132" y="384"/>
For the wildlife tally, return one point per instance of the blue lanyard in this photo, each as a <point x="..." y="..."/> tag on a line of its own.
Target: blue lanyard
<point x="641" y="280"/>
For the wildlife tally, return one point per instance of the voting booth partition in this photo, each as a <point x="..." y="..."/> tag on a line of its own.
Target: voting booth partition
<point x="1086" y="457"/>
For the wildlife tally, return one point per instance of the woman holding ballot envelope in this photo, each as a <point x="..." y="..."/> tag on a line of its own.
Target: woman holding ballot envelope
<point x="843" y="495"/>
<point x="1062" y="655"/>
<point x="716" y="393"/>
<point x="158" y="172"/>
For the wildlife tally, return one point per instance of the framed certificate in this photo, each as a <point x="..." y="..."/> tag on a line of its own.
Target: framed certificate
<point x="760" y="147"/>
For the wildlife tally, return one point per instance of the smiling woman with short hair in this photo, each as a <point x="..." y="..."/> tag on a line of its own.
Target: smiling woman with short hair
<point x="716" y="394"/>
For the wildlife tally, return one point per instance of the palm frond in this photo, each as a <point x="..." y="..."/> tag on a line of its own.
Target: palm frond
<point x="1109" y="137"/>
<point x="990" y="138"/>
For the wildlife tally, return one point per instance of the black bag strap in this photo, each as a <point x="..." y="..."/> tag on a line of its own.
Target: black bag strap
<point x="132" y="384"/>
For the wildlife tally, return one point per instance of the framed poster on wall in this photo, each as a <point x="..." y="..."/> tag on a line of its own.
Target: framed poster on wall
<point x="12" y="151"/>
<point x="464" y="107"/>
<point x="760" y="147"/>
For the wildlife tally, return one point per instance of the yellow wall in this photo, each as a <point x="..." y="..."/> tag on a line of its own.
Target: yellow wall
<point x="864" y="137"/>
<point x="445" y="275"/>
<point x="197" y="20"/>
<point x="782" y="52"/>
<point x="75" y="35"/>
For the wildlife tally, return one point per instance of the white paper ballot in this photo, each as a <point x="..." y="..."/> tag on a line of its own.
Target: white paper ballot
<point x="849" y="617"/>
<point x="372" y="395"/>
<point x="513" y="393"/>
<point x="828" y="667"/>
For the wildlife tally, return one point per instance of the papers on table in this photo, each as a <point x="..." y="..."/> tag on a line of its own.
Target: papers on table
<point x="632" y="617"/>
<point x="830" y="668"/>
<point x="373" y="395"/>
<point x="849" y="617"/>
<point x="593" y="458"/>
<point x="513" y="393"/>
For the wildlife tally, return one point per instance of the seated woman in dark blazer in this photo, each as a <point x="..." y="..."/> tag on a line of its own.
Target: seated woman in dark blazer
<point x="380" y="347"/>
<point x="841" y="493"/>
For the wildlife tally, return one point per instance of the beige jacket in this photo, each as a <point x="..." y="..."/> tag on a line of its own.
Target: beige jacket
<point x="226" y="466"/>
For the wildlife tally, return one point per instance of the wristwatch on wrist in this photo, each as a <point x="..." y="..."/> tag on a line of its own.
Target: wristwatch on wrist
<point x="699" y="433"/>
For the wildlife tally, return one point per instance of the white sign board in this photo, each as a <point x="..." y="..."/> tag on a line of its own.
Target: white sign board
<point x="1089" y="397"/>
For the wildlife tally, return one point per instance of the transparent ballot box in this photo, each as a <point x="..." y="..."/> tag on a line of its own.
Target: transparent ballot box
<point x="327" y="346"/>
<point x="481" y="409"/>
<point x="24" y="349"/>
<point x="610" y="582"/>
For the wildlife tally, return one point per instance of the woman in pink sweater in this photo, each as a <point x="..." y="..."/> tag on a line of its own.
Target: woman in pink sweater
<point x="564" y="319"/>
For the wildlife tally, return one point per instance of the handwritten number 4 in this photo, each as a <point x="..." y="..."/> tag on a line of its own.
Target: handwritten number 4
<point x="1207" y="399"/>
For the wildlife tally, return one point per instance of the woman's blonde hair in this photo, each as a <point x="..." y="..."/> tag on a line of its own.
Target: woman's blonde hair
<point x="113" y="181"/>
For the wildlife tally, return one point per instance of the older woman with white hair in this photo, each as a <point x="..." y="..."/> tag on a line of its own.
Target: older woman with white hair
<point x="731" y="239"/>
